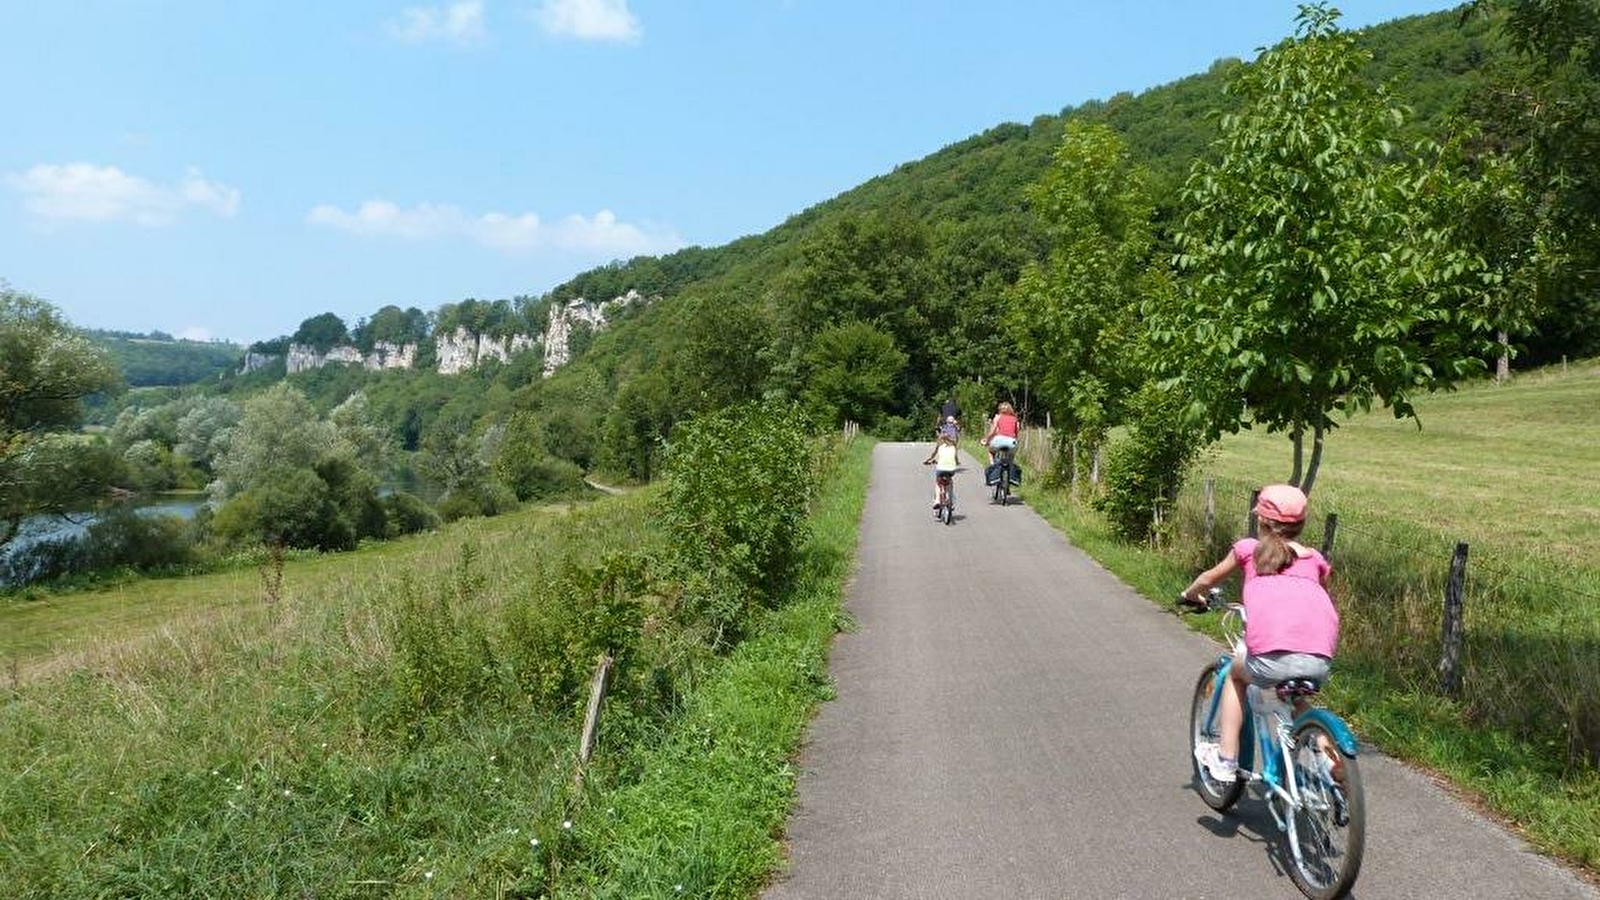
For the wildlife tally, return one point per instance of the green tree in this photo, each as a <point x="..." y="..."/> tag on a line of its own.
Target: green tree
<point x="290" y="476"/>
<point x="1318" y="280"/>
<point x="878" y="270"/>
<point x="1075" y="316"/>
<point x="46" y="369"/>
<point x="322" y="332"/>
<point x="1556" y="108"/>
<point x="727" y="352"/>
<point x="637" y="424"/>
<point x="851" y="373"/>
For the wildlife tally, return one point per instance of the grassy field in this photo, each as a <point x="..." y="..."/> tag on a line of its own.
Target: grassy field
<point x="203" y="737"/>
<point x="1509" y="469"/>
<point x="401" y="721"/>
<point x="1514" y="469"/>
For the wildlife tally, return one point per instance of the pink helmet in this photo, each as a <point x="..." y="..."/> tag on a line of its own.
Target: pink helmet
<point x="1281" y="503"/>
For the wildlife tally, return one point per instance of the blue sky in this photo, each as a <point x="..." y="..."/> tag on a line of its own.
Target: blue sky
<point x="229" y="169"/>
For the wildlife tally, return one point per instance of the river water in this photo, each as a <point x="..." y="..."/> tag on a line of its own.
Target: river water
<point x="37" y="529"/>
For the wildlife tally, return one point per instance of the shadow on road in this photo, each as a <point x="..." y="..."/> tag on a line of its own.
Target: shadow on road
<point x="1248" y="820"/>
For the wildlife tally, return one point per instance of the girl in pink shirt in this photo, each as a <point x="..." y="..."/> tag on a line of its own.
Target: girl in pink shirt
<point x="1291" y="627"/>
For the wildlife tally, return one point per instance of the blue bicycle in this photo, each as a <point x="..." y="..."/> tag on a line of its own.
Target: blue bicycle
<point x="1307" y="771"/>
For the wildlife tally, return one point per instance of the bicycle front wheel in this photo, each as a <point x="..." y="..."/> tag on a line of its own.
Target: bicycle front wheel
<point x="1219" y="795"/>
<point x="1330" y="823"/>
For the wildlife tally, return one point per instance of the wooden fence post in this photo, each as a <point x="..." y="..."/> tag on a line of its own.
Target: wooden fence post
<point x="1211" y="511"/>
<point x="1328" y="529"/>
<point x="1450" y="637"/>
<point x="591" y="719"/>
<point x="1250" y="523"/>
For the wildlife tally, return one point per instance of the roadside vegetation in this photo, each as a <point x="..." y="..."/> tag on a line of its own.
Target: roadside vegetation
<point x="403" y="719"/>
<point x="1507" y="469"/>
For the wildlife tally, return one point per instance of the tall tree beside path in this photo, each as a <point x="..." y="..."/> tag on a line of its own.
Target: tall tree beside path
<point x="46" y="369"/>
<point x="1319" y="279"/>
<point x="1076" y="315"/>
<point x="1558" y="112"/>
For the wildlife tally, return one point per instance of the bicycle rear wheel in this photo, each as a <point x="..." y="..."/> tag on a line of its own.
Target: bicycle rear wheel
<point x="1219" y="795"/>
<point x="1331" y="821"/>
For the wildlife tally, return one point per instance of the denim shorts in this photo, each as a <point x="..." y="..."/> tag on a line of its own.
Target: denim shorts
<point x="1267" y="669"/>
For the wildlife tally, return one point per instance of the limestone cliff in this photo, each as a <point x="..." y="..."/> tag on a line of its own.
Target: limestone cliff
<point x="558" y="336"/>
<point x="384" y="355"/>
<point x="462" y="350"/>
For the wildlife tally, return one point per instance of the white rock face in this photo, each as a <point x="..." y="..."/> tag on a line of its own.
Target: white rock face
<point x="558" y="336"/>
<point x="384" y="355"/>
<point x="463" y="350"/>
<point x="256" y="361"/>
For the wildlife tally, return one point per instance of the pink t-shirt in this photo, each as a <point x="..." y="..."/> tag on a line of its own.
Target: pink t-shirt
<point x="1005" y="425"/>
<point x="1289" y="611"/>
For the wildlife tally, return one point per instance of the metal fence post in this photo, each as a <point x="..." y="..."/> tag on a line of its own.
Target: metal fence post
<point x="1328" y="529"/>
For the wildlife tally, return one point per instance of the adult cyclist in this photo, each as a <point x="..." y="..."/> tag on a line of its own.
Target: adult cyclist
<point x="1002" y="431"/>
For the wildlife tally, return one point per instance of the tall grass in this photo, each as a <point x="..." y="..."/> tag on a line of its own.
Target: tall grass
<point x="293" y="747"/>
<point x="699" y="812"/>
<point x="401" y="721"/>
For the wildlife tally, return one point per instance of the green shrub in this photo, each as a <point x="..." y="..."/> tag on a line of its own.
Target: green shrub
<point x="406" y="513"/>
<point x="735" y="508"/>
<point x="443" y="659"/>
<point x="557" y="637"/>
<point x="1145" y="467"/>
<point x="483" y="498"/>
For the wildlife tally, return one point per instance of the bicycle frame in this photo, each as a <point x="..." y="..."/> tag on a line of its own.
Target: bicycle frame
<point x="1269" y="738"/>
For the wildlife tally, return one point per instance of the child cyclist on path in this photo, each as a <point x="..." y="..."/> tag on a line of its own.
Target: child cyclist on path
<point x="945" y="459"/>
<point x="1291" y="627"/>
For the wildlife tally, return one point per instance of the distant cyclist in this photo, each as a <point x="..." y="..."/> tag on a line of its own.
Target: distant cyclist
<point x="950" y="412"/>
<point x="950" y="428"/>
<point x="945" y="459"/>
<point x="1002" y="431"/>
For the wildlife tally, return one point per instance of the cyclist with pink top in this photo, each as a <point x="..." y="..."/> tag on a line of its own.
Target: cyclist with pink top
<point x="1291" y="626"/>
<point x="1002" y="431"/>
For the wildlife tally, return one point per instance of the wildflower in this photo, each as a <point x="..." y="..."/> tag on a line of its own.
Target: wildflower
<point x="427" y="874"/>
<point x="533" y="842"/>
<point x="567" y="824"/>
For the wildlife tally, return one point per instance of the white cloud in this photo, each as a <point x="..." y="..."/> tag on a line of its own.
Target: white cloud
<point x="458" y="23"/>
<point x="89" y="193"/>
<point x="590" y="20"/>
<point x="196" y="333"/>
<point x="601" y="234"/>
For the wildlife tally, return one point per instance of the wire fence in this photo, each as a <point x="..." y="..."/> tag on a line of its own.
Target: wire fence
<point x="1525" y="653"/>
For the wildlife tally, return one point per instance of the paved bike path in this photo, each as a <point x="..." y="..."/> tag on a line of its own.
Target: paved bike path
<point x="1010" y="722"/>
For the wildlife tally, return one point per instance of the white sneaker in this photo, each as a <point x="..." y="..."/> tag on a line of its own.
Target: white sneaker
<point x="1219" y="767"/>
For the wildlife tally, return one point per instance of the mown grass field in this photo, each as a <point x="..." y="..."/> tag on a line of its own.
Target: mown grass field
<point x="1509" y="469"/>
<point x="1513" y="469"/>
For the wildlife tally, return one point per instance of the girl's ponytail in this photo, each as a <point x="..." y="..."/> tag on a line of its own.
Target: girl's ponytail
<point x="1273" y="553"/>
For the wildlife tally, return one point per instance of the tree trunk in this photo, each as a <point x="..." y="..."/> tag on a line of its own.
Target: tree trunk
<point x="1298" y="435"/>
<point x="1316" y="461"/>
<point x="1502" y="366"/>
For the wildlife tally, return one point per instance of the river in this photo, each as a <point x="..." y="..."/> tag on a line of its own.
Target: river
<point x="37" y="529"/>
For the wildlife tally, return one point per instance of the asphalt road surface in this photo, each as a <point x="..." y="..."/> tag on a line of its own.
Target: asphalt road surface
<point x="1011" y="722"/>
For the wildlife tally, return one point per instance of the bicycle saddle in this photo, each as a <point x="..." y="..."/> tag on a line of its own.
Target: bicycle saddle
<point x="1297" y="687"/>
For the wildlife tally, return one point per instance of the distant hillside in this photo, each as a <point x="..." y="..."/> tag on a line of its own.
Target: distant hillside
<point x="158" y="359"/>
